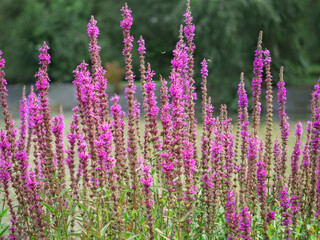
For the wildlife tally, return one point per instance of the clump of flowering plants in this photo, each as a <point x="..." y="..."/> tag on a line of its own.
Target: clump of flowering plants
<point x="108" y="179"/>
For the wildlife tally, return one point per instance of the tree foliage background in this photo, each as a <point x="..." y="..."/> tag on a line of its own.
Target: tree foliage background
<point x="226" y="33"/>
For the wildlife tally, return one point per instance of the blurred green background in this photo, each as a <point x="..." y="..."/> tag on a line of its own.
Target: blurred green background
<point x="226" y="33"/>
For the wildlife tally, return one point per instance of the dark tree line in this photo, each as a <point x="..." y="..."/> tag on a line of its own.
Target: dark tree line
<point x="226" y="33"/>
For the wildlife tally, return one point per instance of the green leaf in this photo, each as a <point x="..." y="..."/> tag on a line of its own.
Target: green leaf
<point x="103" y="230"/>
<point x="3" y="213"/>
<point x="50" y="208"/>
<point x="3" y="230"/>
<point x="64" y="191"/>
<point x="161" y="233"/>
<point x="184" y="217"/>
<point x="132" y="237"/>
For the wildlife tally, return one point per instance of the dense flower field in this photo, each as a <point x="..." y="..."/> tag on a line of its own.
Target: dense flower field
<point x="111" y="180"/>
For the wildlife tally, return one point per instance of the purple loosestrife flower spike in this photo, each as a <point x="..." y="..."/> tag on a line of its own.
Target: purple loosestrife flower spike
<point x="178" y="79"/>
<point x="147" y="180"/>
<point x="252" y="171"/>
<point x="262" y="192"/>
<point x="142" y="47"/>
<point x="261" y="185"/>
<point x="34" y="133"/>
<point x="189" y="34"/>
<point x="166" y="134"/>
<point x="151" y="110"/>
<point x="23" y="121"/>
<point x="2" y="61"/>
<point x="207" y="127"/>
<point x="232" y="219"/>
<point x="286" y="215"/>
<point x="105" y="154"/>
<point x="315" y="171"/>
<point x="190" y="164"/>
<point x="142" y="53"/>
<point x="126" y="24"/>
<point x="31" y="103"/>
<point x="305" y="168"/>
<point x="284" y="124"/>
<point x="243" y="117"/>
<point x="245" y="224"/>
<point x="277" y="168"/>
<point x="118" y="127"/>
<point x="227" y="141"/>
<point x="256" y="85"/>
<point x="5" y="169"/>
<point x="72" y="139"/>
<point x="98" y="73"/>
<point x="315" y="103"/>
<point x="189" y="28"/>
<point x="35" y="208"/>
<point x="294" y="178"/>
<point x="190" y="168"/>
<point x="58" y="132"/>
<point x="270" y="216"/>
<point x="269" y="98"/>
<point x="86" y="97"/>
<point x="83" y="162"/>
<point x="42" y="85"/>
<point x="94" y="49"/>
<point x="9" y="123"/>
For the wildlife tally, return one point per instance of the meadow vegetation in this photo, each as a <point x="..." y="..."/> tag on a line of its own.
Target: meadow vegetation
<point x="111" y="178"/>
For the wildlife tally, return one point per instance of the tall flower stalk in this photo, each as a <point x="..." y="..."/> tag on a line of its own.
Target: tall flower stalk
<point x="284" y="121"/>
<point x="256" y="86"/>
<point x="126" y="24"/>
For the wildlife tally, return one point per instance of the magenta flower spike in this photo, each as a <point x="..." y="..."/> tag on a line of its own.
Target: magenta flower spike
<point x="72" y="140"/>
<point x="306" y="149"/>
<point x="23" y="121"/>
<point x="45" y="143"/>
<point x="98" y="73"/>
<point x="5" y="178"/>
<point x="166" y="134"/>
<point x="190" y="168"/>
<point x="142" y="53"/>
<point x="11" y="132"/>
<point x="126" y="24"/>
<point x="232" y="219"/>
<point x="106" y="160"/>
<point x="315" y="174"/>
<point x="94" y="48"/>
<point x="147" y="181"/>
<point x="295" y="157"/>
<point x="286" y="215"/>
<point x="208" y="123"/>
<point x="277" y="168"/>
<point x="269" y="115"/>
<point x="284" y="120"/>
<point x="204" y="69"/>
<point x="151" y="109"/>
<point x="58" y="132"/>
<point x="261" y="184"/>
<point x="252" y="161"/>
<point x="189" y="28"/>
<point x="256" y="85"/>
<point x="142" y="47"/>
<point x="178" y="78"/>
<point x="83" y="162"/>
<point x="118" y="127"/>
<point x="244" y="123"/>
<point x="245" y="223"/>
<point x="315" y="99"/>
